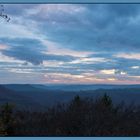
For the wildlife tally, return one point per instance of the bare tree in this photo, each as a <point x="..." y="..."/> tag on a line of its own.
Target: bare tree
<point x="2" y="14"/>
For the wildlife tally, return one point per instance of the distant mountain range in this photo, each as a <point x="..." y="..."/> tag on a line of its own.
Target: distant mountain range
<point x="85" y="87"/>
<point x="39" y="97"/>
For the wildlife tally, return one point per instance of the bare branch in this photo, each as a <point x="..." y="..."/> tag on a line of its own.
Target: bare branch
<point x="2" y="14"/>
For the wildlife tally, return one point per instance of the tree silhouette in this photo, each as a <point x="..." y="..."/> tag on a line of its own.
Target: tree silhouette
<point x="106" y="100"/>
<point x="2" y="14"/>
<point x="7" y="118"/>
<point x="80" y="117"/>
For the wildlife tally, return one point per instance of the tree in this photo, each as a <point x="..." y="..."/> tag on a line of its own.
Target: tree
<point x="76" y="100"/>
<point x="2" y="14"/>
<point x="107" y="101"/>
<point x="7" y="118"/>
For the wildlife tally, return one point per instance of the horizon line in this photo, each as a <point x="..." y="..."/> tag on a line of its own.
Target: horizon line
<point x="65" y="84"/>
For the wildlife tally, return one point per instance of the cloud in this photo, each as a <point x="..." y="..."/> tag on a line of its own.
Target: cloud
<point x="3" y="47"/>
<point x="74" y="43"/>
<point x="112" y="71"/>
<point x="69" y="78"/>
<point x="31" y="50"/>
<point x="129" y="55"/>
<point x="18" y="9"/>
<point x="20" y="78"/>
<point x="123" y="10"/>
<point x="135" y="67"/>
<point x="84" y="34"/>
<point x="54" y="13"/>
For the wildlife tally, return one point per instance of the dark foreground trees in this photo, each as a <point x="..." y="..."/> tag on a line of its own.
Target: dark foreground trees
<point x="80" y="117"/>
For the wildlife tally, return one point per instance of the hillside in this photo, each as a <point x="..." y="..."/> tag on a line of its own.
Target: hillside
<point x="40" y="96"/>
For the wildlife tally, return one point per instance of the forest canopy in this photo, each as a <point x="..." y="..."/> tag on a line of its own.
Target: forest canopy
<point x="79" y="117"/>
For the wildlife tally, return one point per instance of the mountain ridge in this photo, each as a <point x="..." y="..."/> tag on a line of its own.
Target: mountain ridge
<point x="41" y="96"/>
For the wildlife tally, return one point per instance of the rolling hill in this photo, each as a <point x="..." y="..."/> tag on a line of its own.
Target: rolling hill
<point x="39" y="97"/>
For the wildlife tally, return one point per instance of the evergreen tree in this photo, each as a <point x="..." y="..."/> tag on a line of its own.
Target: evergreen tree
<point x="107" y="101"/>
<point x="7" y="118"/>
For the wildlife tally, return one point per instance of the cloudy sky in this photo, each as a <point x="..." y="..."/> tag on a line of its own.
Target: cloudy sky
<point x="70" y="43"/>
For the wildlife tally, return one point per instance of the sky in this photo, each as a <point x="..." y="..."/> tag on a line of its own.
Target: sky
<point x="70" y="44"/>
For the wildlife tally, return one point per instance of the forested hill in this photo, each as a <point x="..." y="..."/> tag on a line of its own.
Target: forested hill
<point x="41" y="96"/>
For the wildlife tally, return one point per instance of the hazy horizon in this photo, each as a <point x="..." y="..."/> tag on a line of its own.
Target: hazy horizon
<point x="70" y="44"/>
<point x="73" y="84"/>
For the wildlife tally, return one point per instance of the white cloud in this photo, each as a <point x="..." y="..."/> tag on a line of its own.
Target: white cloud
<point x="87" y="60"/>
<point x="111" y="71"/>
<point x="52" y="63"/>
<point x="16" y="70"/>
<point x="129" y="55"/>
<point x="135" y="67"/>
<point x="123" y="73"/>
<point x="48" y="9"/>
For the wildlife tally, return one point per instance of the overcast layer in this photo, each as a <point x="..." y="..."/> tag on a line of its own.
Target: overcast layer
<point x="70" y="43"/>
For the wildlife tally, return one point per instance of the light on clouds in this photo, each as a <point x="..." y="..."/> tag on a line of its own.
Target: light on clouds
<point x="71" y="44"/>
